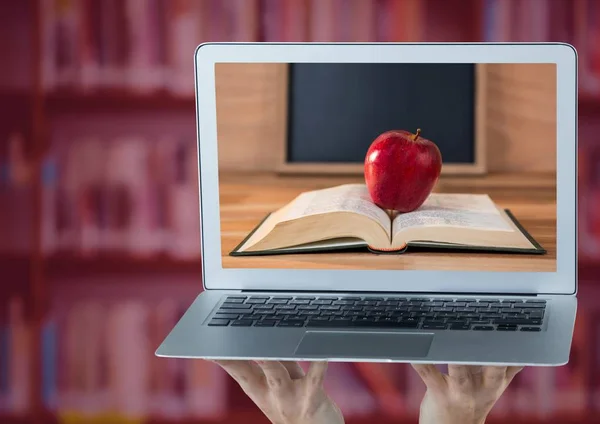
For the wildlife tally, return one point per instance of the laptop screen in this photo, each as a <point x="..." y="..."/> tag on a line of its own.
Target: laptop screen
<point x="387" y="166"/>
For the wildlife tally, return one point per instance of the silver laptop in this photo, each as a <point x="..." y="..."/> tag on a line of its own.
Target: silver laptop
<point x="331" y="232"/>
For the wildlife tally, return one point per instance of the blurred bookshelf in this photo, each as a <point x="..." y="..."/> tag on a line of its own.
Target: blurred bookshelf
<point x="92" y="85"/>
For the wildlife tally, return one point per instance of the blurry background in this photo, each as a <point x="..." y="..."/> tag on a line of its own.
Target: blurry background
<point x="97" y="163"/>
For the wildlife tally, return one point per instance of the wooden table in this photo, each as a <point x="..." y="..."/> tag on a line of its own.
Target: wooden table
<point x="247" y="198"/>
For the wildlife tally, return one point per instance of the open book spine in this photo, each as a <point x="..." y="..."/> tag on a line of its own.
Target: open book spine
<point x="387" y="250"/>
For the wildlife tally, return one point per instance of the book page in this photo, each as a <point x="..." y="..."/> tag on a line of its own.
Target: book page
<point x="352" y="198"/>
<point x="475" y="211"/>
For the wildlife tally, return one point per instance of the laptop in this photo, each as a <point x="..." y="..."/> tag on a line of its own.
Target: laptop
<point x="303" y="260"/>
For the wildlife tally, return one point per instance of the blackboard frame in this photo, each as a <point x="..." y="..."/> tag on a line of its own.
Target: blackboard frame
<point x="477" y="167"/>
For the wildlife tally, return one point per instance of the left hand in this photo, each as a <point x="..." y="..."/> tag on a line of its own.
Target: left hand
<point x="284" y="393"/>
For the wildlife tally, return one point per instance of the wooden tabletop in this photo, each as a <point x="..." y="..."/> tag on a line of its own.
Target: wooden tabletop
<point x="247" y="198"/>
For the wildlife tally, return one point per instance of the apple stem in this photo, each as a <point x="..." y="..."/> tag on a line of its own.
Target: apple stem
<point x="417" y="134"/>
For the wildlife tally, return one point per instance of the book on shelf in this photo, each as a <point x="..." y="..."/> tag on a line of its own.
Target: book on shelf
<point x="15" y="357"/>
<point x="347" y="390"/>
<point x="344" y="217"/>
<point x="386" y="385"/>
<point x="98" y="364"/>
<point x="572" y="380"/>
<point x="125" y="194"/>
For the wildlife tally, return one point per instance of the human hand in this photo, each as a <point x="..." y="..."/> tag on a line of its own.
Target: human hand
<point x="284" y="393"/>
<point x="465" y="395"/>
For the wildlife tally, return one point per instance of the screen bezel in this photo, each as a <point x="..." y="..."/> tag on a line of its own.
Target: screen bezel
<point x="563" y="281"/>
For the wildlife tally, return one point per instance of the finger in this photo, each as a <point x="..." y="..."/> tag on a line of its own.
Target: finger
<point x="246" y="373"/>
<point x="494" y="376"/>
<point x="430" y="375"/>
<point x="294" y="369"/>
<point x="316" y="373"/>
<point x="511" y="372"/>
<point x="276" y="373"/>
<point x="460" y="373"/>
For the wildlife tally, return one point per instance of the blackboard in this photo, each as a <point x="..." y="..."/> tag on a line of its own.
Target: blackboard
<point x="336" y="110"/>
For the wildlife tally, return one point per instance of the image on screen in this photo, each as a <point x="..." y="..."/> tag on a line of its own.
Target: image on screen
<point x="387" y="166"/>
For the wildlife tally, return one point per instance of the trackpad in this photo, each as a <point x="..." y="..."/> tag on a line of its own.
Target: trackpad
<point x="351" y="344"/>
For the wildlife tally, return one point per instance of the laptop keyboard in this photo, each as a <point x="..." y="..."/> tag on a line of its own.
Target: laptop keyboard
<point x="424" y="313"/>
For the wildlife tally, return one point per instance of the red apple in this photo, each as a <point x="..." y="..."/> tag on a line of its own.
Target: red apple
<point x="401" y="169"/>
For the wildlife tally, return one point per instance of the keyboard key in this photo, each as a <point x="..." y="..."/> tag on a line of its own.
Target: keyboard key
<point x="233" y="300"/>
<point x="480" y="322"/>
<point x="535" y="305"/>
<point x="466" y="310"/>
<point x="366" y="303"/>
<point x="517" y="322"/>
<point x="278" y="301"/>
<point x="490" y="316"/>
<point x="286" y="312"/>
<point x="257" y="307"/>
<point x="216" y="322"/>
<point x="365" y="319"/>
<point x="353" y="298"/>
<point x="309" y="313"/>
<point x="283" y="297"/>
<point x="423" y="309"/>
<point x="538" y="315"/>
<point x="343" y="302"/>
<point x="419" y="299"/>
<point x="435" y="304"/>
<point x="455" y="304"/>
<point x="536" y="301"/>
<point x="299" y="302"/>
<point x="242" y="323"/>
<point x="234" y="306"/>
<point x="329" y="308"/>
<point x="327" y="298"/>
<point x="443" y="309"/>
<point x="320" y="318"/>
<point x="291" y="323"/>
<point x="446" y="314"/>
<point x="235" y="311"/>
<point x="260" y="297"/>
<point x="468" y="316"/>
<point x="236" y="297"/>
<point x="389" y="303"/>
<point x="321" y="302"/>
<point x="506" y="328"/>
<point x="307" y="307"/>
<point x="265" y="323"/>
<point x="479" y="304"/>
<point x="433" y="321"/>
<point x="226" y="316"/>
<point x="456" y="322"/>
<point x="305" y="298"/>
<point x="434" y="326"/>
<point x="256" y="301"/>
<point x="265" y="312"/>
<point x="506" y="310"/>
<point x="378" y="299"/>
<point x="483" y="328"/>
<point x="460" y="327"/>
<point x="531" y="329"/>
<point x="285" y="307"/>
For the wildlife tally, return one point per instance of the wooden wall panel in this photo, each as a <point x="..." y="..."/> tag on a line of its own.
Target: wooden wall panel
<point x="520" y="116"/>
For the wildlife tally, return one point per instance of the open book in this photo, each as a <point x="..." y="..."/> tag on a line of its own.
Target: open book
<point x="344" y="217"/>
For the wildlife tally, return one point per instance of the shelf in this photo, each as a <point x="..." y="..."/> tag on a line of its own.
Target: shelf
<point x="252" y="417"/>
<point x="116" y="100"/>
<point x="15" y="275"/>
<point x="589" y="104"/>
<point x="77" y="266"/>
<point x="589" y="270"/>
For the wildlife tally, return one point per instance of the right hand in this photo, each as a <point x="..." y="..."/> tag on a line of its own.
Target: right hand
<point x="284" y="393"/>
